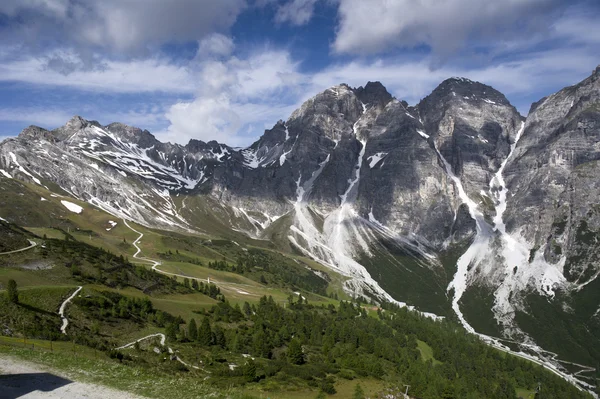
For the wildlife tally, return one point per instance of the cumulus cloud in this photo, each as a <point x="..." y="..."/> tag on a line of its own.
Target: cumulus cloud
<point x="66" y="69"/>
<point x="119" y="25"/>
<point x="236" y="98"/>
<point x="540" y="72"/>
<point x="380" y="25"/>
<point x="54" y="8"/>
<point x="297" y="12"/>
<point x="215" y="44"/>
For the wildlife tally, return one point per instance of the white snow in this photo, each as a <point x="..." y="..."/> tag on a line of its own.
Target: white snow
<point x="283" y="157"/>
<point x="71" y="206"/>
<point x="13" y="157"/>
<point x="43" y="199"/>
<point x="251" y="158"/>
<point x="5" y="173"/>
<point x="220" y="155"/>
<point x="489" y="101"/>
<point x="112" y="225"/>
<point x="422" y="134"/>
<point x="374" y="159"/>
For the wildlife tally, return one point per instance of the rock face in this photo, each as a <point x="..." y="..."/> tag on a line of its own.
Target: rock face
<point x="381" y="191"/>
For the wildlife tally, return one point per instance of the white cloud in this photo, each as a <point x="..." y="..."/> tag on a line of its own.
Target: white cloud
<point x="54" y="8"/>
<point x="236" y="95"/>
<point x="67" y="69"/>
<point x="44" y="117"/>
<point x="297" y="12"/>
<point x="216" y="44"/>
<point x="368" y="27"/>
<point x="122" y="25"/>
<point x="541" y="72"/>
<point x="235" y="99"/>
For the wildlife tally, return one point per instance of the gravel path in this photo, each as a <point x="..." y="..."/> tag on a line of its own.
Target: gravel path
<point x="31" y="245"/>
<point x="21" y="379"/>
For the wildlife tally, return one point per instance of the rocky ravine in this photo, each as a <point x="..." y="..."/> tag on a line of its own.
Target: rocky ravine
<point x="383" y="192"/>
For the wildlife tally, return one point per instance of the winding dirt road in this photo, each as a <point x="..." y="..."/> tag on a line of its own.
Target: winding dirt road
<point x="63" y="307"/>
<point x="31" y="245"/>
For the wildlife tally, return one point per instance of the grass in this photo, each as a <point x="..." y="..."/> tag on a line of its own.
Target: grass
<point x="182" y="305"/>
<point x="57" y="276"/>
<point x="237" y="288"/>
<point x="45" y="298"/>
<point x="64" y="347"/>
<point x="523" y="393"/>
<point x="426" y="352"/>
<point x="344" y="388"/>
<point x="47" y="231"/>
<point x="140" y="380"/>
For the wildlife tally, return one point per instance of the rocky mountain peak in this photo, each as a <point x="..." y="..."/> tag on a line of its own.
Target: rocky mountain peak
<point x="77" y="123"/>
<point x="35" y="132"/>
<point x="373" y="93"/>
<point x="463" y="89"/>
<point x="130" y="134"/>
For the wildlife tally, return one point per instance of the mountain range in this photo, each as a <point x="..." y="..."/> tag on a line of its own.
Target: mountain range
<point x="457" y="206"/>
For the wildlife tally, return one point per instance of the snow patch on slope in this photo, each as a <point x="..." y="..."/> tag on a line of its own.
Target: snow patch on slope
<point x="374" y="159"/>
<point x="71" y="206"/>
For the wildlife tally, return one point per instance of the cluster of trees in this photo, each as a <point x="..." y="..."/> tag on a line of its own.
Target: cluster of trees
<point x="11" y="237"/>
<point x="210" y="290"/>
<point x="113" y="305"/>
<point x="320" y="343"/>
<point x="273" y="268"/>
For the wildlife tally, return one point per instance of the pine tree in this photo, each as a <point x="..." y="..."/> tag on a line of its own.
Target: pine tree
<point x="294" y="352"/>
<point x="192" y="330"/>
<point x="247" y="310"/>
<point x="13" y="292"/>
<point x="220" y="339"/>
<point x="205" y="333"/>
<point x="171" y="331"/>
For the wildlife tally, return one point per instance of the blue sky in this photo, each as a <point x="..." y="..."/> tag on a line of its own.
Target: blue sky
<point x="228" y="69"/>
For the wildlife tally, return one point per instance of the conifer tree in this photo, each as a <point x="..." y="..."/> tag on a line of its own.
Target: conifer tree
<point x="205" y="333"/>
<point x="192" y="330"/>
<point x="13" y="292"/>
<point x="294" y="352"/>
